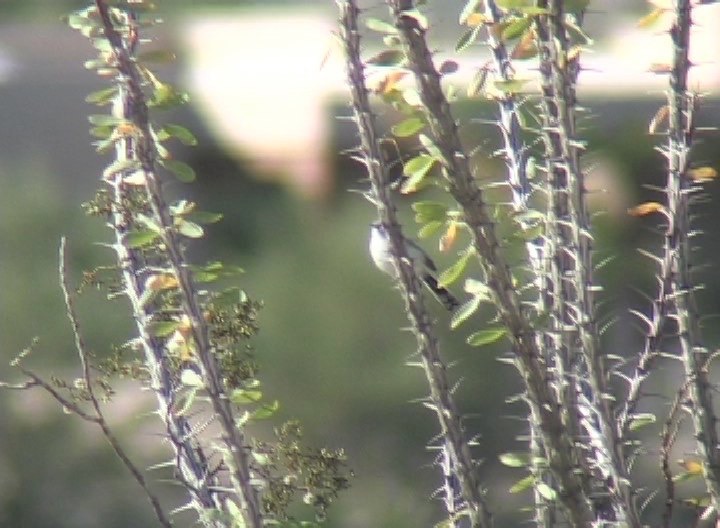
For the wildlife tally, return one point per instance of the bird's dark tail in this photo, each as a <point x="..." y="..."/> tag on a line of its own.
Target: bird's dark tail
<point x="447" y="299"/>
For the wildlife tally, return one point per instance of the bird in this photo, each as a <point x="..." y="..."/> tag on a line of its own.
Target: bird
<point x="381" y="253"/>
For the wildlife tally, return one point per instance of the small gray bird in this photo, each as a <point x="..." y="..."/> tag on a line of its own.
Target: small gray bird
<point x="423" y="265"/>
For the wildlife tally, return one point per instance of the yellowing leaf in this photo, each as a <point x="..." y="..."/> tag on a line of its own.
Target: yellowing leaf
<point x="646" y="209"/>
<point x="389" y="82"/>
<point x="525" y="48"/>
<point x="651" y="18"/>
<point x="660" y="118"/>
<point x="486" y="337"/>
<point x="408" y="127"/>
<point x="475" y="19"/>
<point x="658" y="67"/>
<point x="693" y="467"/>
<point x="448" y="239"/>
<point x="703" y="173"/>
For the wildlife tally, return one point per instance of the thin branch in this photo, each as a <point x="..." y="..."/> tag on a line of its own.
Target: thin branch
<point x="560" y="451"/>
<point x="682" y="105"/>
<point x="99" y="419"/>
<point x="441" y="399"/>
<point x="237" y="448"/>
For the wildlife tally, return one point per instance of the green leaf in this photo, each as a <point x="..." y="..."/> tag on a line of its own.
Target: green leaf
<point x="140" y="238"/>
<point x="165" y="96"/>
<point x="464" y="312"/>
<point x="157" y="56"/>
<point x="455" y="271"/>
<point x="522" y="484"/>
<point x="512" y="86"/>
<point x="429" y="211"/>
<point x="419" y="165"/>
<point x="515" y="459"/>
<point x="486" y="337"/>
<point x="430" y="229"/>
<point x="430" y="146"/>
<point x="408" y="127"/>
<point x="640" y="420"/>
<point x="203" y="217"/>
<point x="120" y="166"/>
<point x="105" y="120"/>
<point x="478" y="289"/>
<point x="534" y="10"/>
<point x="102" y="97"/>
<point x="387" y="58"/>
<point x="162" y="328"/>
<point x="516" y="28"/>
<point x="181" y="170"/>
<point x="546" y="491"/>
<point x="468" y="38"/>
<point x="515" y="4"/>
<point x="375" y="24"/>
<point x="240" y="396"/>
<point x="265" y="411"/>
<point x="179" y="132"/>
<point x="190" y="229"/>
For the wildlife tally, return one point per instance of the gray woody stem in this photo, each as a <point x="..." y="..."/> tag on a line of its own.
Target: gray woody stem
<point x="440" y="398"/>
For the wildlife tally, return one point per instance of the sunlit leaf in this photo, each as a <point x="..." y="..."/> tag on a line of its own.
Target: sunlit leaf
<point x="419" y="165"/>
<point x="646" y="209"/>
<point x="190" y="229"/>
<point x="120" y="166"/>
<point x="515" y="459"/>
<point x="465" y="311"/>
<point x="240" y="396"/>
<point x="546" y="491"/>
<point x="487" y="336"/>
<point x="640" y="420"/>
<point x="454" y="272"/>
<point x="703" y="173"/>
<point x="522" y="484"/>
<point x="652" y="18"/>
<point x="380" y="26"/>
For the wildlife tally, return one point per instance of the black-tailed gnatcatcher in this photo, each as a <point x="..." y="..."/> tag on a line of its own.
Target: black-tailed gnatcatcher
<point x="423" y="265"/>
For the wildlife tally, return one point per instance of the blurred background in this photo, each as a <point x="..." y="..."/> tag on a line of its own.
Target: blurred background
<point x="268" y="107"/>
